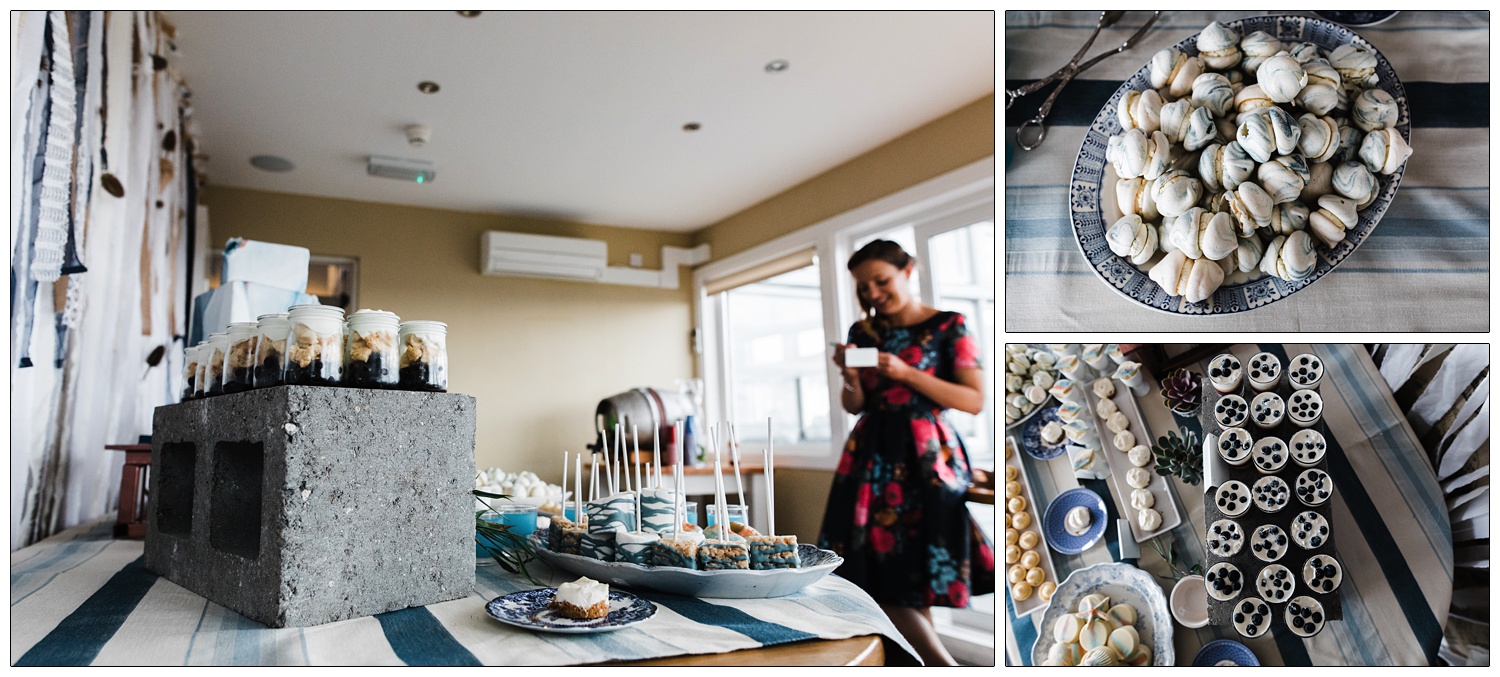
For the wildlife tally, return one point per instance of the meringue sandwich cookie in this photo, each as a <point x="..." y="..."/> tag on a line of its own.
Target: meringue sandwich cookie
<point x="1233" y="498"/>
<point x="1305" y="408"/>
<point x="1309" y="530"/>
<point x="1275" y="583"/>
<point x="1252" y="617"/>
<point x="1268" y="542"/>
<point x="1225" y="538"/>
<point x="1065" y="390"/>
<point x="1308" y="447"/>
<point x="1305" y="372"/>
<point x="1235" y="445"/>
<point x="1264" y="372"/>
<point x="1094" y="355"/>
<point x="1267" y="410"/>
<point x="1231" y="411"/>
<point x="1070" y="411"/>
<point x="1225" y="374"/>
<point x="1314" y="487"/>
<point x="1304" y="615"/>
<point x="1224" y="581"/>
<point x="1322" y="573"/>
<point x="1270" y="454"/>
<point x="1270" y="494"/>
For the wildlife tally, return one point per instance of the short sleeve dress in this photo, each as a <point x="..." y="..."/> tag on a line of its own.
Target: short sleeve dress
<point x="896" y="512"/>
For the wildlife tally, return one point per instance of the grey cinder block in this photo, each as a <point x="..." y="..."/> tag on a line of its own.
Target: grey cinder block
<point x="300" y="505"/>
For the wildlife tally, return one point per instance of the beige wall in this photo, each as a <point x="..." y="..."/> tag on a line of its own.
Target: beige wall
<point x="537" y="355"/>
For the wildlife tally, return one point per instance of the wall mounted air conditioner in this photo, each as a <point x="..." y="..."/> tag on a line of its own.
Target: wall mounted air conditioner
<point x="544" y="256"/>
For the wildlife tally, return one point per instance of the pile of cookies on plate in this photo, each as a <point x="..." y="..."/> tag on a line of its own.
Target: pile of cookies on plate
<point x="1022" y="545"/>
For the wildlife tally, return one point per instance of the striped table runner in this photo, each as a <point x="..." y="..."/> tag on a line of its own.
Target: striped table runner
<point x="83" y="598"/>
<point x="1425" y="268"/>
<point x="1388" y="513"/>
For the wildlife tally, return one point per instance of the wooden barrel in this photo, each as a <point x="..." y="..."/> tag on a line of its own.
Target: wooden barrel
<point x="651" y="411"/>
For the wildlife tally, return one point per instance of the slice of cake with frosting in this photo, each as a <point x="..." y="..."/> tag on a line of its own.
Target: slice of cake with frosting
<point x="583" y="599"/>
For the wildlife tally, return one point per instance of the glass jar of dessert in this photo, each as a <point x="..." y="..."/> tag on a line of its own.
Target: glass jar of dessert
<point x="200" y="370"/>
<point x="270" y="349"/>
<point x="314" y="346"/>
<point x="424" y="356"/>
<point x="370" y="349"/>
<point x="213" y="374"/>
<point x="241" y="357"/>
<point x="189" y="372"/>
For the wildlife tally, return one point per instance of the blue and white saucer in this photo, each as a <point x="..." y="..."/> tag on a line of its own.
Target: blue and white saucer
<point x="1219" y="650"/>
<point x="1054" y="523"/>
<point x="531" y="609"/>
<point x="1031" y="436"/>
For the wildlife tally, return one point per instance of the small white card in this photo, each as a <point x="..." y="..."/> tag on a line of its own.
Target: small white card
<point x="855" y="358"/>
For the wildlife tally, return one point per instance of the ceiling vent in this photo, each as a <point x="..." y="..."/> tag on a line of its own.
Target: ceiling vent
<point x="415" y="171"/>
<point x="544" y="256"/>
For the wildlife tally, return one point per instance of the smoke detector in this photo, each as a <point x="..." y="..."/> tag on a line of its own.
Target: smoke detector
<point x="418" y="135"/>
<point x="416" y="171"/>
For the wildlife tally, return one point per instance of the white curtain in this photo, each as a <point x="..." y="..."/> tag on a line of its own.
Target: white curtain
<point x="92" y="385"/>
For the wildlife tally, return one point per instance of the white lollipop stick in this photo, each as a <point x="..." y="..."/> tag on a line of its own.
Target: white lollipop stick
<point x="604" y="448"/>
<point x="594" y="477"/>
<point x="734" y="459"/>
<point x="562" y="491"/>
<point x="578" y="488"/>
<point x="656" y="457"/>
<point x="770" y="479"/>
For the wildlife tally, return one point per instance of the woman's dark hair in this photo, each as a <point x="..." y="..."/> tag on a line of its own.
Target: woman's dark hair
<point x="878" y="250"/>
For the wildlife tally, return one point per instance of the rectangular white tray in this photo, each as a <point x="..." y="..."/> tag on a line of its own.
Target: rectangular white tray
<point x="1033" y="603"/>
<point x="1119" y="464"/>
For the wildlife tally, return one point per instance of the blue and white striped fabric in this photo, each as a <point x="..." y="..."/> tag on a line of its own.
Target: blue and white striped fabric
<point x="83" y="598"/>
<point x="1388" y="513"/>
<point x="1424" y="268"/>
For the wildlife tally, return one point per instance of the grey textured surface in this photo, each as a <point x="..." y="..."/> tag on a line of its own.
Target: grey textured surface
<point x="361" y="506"/>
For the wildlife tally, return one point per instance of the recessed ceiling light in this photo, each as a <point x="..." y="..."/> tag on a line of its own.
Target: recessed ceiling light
<point x="272" y="163"/>
<point x="777" y="66"/>
<point x="427" y="87"/>
<point x="691" y="127"/>
<point x="468" y="13"/>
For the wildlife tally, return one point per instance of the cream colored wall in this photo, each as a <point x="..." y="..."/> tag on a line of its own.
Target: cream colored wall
<point x="537" y="355"/>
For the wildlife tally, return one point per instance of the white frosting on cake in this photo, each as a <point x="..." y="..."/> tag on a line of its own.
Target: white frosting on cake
<point x="1139" y="455"/>
<point x="583" y="593"/>
<point x="1106" y="408"/>
<point x="1052" y="432"/>
<point x="1124" y="440"/>
<point x="1117" y="422"/>
<point x="1149" y="519"/>
<point x="1104" y="388"/>
<point x="1139" y="478"/>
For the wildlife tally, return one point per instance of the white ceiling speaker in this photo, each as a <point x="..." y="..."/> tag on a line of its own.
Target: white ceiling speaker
<point x="418" y="135"/>
<point x="416" y="171"/>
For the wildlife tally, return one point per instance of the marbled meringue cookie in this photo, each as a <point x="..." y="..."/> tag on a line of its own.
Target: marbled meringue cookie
<point x="1288" y="217"/>
<point x="1304" y="52"/>
<point x="1214" y="92"/>
<point x="1356" y="66"/>
<point x="1175" y="71"/>
<point x="1187" y="124"/>
<point x="1335" y="215"/>
<point x="1324" y="91"/>
<point x="1134" y="197"/>
<point x="1281" y="77"/>
<point x="1200" y="234"/>
<point x="1354" y="181"/>
<point x="1176" y="192"/>
<point x="1350" y="138"/>
<point x="1140" y="110"/>
<point x="1224" y="167"/>
<point x="1320" y="137"/>
<point x="1250" y="206"/>
<point x="1132" y="238"/>
<point x="1374" y="109"/>
<point x="1268" y="132"/>
<point x="1192" y="279"/>
<point x="1219" y="46"/>
<point x="1384" y="151"/>
<point x="1248" y="255"/>
<point x="1257" y="47"/>
<point x="1136" y="154"/>
<point x="1319" y="182"/>
<point x="1284" y="177"/>
<point x="1290" y="257"/>
<point x="1249" y="100"/>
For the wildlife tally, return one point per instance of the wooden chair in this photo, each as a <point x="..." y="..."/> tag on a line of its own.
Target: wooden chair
<point x="131" y="521"/>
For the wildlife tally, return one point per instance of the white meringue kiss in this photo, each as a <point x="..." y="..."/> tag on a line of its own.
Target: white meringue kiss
<point x="1192" y="279"/>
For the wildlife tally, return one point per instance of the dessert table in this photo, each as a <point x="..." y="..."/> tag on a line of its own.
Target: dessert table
<point x="1394" y="537"/>
<point x="1425" y="267"/>
<point x="83" y="598"/>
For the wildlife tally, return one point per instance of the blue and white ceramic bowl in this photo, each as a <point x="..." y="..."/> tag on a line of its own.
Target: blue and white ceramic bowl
<point x="1054" y="523"/>
<point x="1239" y="292"/>
<point x="1123" y="584"/>
<point x="1221" y="650"/>
<point x="1031" y="435"/>
<point x="530" y="609"/>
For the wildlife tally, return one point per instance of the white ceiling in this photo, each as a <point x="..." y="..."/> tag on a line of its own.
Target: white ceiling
<point x="571" y="115"/>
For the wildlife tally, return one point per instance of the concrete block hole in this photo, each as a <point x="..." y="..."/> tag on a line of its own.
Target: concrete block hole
<point x="234" y="515"/>
<point x="174" y="507"/>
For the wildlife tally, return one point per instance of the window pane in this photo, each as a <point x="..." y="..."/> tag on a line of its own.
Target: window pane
<point x="776" y="355"/>
<point x="984" y="252"/>
<point x="952" y="258"/>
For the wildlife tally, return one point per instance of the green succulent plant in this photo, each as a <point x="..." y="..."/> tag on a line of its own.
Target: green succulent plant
<point x="1179" y="457"/>
<point x="1182" y="391"/>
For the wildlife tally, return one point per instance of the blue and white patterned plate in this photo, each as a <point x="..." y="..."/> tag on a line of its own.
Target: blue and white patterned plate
<point x="1031" y="436"/>
<point x="530" y="609"/>
<point x="1054" y="523"/>
<point x="813" y="564"/>
<point x="1225" y="650"/>
<point x="1123" y="584"/>
<point x="1235" y="296"/>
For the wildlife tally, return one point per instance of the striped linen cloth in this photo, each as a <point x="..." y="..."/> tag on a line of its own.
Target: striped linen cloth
<point x="84" y="598"/>
<point x="1424" y="268"/>
<point x="1389" y="518"/>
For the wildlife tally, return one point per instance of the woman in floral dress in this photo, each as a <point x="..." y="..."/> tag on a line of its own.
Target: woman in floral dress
<point x="896" y="512"/>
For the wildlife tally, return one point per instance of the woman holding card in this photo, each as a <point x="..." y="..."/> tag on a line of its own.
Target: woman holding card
<point x="896" y="512"/>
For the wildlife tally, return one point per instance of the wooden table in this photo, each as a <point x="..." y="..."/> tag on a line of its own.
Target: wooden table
<point x="131" y="521"/>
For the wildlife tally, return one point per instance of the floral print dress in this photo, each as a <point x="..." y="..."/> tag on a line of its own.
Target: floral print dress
<point x="896" y="512"/>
